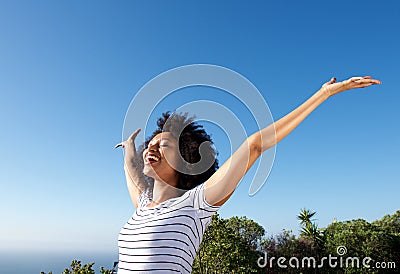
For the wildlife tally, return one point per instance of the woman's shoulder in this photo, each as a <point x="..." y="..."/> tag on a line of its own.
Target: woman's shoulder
<point x="196" y="196"/>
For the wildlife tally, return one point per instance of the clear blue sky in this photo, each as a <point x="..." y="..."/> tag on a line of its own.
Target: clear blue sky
<point x="69" y="69"/>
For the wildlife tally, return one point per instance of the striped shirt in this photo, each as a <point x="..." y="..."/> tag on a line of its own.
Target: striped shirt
<point x="165" y="238"/>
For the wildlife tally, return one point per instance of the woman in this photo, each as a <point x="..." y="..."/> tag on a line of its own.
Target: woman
<point x="174" y="204"/>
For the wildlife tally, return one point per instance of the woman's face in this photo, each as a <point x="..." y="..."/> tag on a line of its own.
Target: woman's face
<point x="160" y="157"/>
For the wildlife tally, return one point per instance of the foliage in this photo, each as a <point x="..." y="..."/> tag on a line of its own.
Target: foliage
<point x="229" y="246"/>
<point x="390" y="223"/>
<point x="235" y="245"/>
<point x="305" y="217"/>
<point x="249" y="231"/>
<point x="286" y="245"/>
<point x="310" y="230"/>
<point x="363" y="239"/>
<point x="378" y="240"/>
<point x="77" y="268"/>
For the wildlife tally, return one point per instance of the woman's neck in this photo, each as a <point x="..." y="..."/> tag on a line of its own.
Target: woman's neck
<point x="163" y="191"/>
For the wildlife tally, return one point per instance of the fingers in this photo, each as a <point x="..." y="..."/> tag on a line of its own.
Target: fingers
<point x="119" y="145"/>
<point x="358" y="78"/>
<point x="362" y="83"/>
<point x="367" y="81"/>
<point x="351" y="83"/>
<point x="333" y="80"/>
<point x="353" y="79"/>
<point x="131" y="138"/>
<point x="133" y="135"/>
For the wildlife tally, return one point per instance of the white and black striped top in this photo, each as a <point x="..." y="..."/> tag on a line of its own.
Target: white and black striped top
<point x="165" y="238"/>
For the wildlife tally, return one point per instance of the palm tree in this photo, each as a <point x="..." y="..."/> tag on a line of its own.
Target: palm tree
<point x="310" y="229"/>
<point x="305" y="217"/>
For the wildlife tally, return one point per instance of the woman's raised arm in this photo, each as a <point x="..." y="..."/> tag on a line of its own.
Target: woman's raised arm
<point x="221" y="185"/>
<point x="134" y="177"/>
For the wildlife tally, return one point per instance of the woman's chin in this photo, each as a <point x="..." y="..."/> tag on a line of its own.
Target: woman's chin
<point x="149" y="171"/>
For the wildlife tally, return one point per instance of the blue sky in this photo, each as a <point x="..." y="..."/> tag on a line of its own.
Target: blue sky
<point x="69" y="70"/>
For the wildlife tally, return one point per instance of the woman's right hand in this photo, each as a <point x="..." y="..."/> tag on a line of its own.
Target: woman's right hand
<point x="129" y="144"/>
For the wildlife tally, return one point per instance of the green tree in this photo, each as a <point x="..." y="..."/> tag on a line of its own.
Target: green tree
<point x="229" y="246"/>
<point x="77" y="268"/>
<point x="390" y="223"/>
<point x="248" y="230"/>
<point x="234" y="245"/>
<point x="286" y="245"/>
<point x="305" y="216"/>
<point x="309" y="229"/>
<point x="363" y="239"/>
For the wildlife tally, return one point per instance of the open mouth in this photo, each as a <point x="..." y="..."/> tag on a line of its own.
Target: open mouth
<point x="151" y="159"/>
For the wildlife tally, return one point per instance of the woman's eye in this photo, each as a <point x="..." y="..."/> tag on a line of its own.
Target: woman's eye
<point x="163" y="145"/>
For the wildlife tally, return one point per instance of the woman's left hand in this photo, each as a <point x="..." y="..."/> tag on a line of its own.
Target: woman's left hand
<point x="332" y="87"/>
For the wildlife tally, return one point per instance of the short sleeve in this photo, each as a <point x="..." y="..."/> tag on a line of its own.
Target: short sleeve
<point x="200" y="203"/>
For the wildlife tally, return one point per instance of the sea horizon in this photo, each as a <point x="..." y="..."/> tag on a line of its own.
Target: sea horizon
<point x="26" y="262"/>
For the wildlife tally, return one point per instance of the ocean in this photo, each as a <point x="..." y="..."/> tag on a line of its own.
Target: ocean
<point x="35" y="262"/>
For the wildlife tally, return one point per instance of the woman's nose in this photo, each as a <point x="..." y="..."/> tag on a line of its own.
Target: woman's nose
<point x="152" y="147"/>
